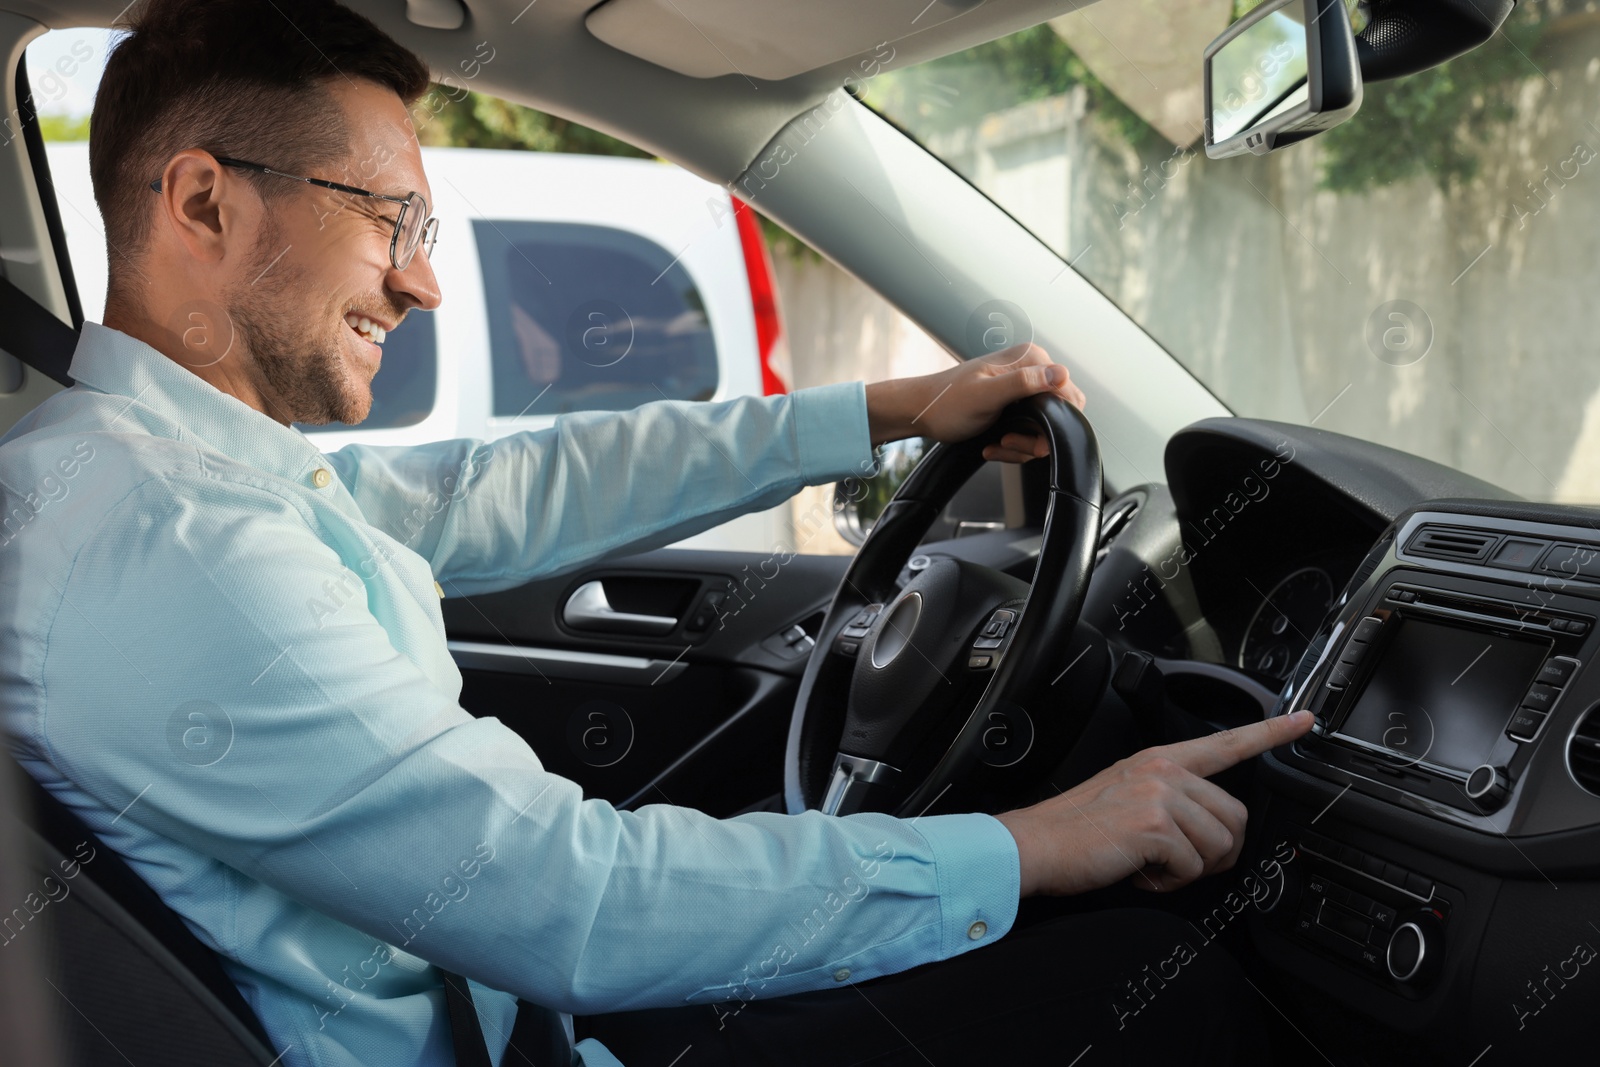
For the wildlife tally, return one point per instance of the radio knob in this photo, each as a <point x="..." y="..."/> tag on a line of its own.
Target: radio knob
<point x="1488" y="786"/>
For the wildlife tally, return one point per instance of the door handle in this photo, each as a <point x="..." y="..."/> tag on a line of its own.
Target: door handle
<point x="588" y="609"/>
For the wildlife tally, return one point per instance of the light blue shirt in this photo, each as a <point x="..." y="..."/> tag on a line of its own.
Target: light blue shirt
<point x="224" y="650"/>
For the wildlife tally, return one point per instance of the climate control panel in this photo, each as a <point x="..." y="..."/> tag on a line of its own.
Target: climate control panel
<point x="1382" y="918"/>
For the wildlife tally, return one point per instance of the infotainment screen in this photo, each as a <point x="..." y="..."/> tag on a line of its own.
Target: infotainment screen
<point x="1443" y="694"/>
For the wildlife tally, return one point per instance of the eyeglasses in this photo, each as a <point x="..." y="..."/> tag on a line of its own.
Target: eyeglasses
<point x="414" y="228"/>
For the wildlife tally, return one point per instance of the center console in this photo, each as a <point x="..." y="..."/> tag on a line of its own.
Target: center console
<point x="1444" y="812"/>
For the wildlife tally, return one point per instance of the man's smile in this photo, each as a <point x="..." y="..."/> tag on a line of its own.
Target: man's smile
<point x="368" y="328"/>
<point x="372" y="334"/>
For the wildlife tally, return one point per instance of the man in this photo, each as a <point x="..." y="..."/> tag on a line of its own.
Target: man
<point x="224" y="649"/>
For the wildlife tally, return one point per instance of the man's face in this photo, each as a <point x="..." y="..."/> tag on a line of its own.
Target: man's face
<point x="321" y="262"/>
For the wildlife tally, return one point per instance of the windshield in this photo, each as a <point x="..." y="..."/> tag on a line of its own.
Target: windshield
<point x="1422" y="276"/>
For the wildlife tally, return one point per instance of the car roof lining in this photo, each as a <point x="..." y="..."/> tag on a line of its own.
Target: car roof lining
<point x="546" y="57"/>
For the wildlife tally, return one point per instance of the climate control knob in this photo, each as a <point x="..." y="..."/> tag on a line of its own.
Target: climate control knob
<point x="1415" y="949"/>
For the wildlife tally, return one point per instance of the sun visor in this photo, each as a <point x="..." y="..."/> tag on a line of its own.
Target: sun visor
<point x="764" y="39"/>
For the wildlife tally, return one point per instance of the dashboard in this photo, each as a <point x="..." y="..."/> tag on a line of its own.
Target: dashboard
<point x="1442" y="819"/>
<point x="1237" y="559"/>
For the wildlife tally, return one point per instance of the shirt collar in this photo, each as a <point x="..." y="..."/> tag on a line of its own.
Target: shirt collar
<point x="113" y="362"/>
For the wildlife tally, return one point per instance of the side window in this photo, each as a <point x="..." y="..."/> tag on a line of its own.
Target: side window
<point x="403" y="391"/>
<point x="582" y="311"/>
<point x="619" y="323"/>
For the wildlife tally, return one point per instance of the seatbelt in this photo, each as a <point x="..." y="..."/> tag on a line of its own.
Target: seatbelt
<point x="35" y="336"/>
<point x="537" y="1033"/>
<point x="465" y="1032"/>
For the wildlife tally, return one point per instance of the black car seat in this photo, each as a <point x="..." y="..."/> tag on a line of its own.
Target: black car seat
<point x="135" y="984"/>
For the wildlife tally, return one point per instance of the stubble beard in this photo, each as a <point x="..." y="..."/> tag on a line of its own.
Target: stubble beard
<point x="302" y="364"/>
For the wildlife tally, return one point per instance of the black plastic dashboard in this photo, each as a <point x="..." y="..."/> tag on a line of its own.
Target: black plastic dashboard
<point x="1241" y="554"/>
<point x="1442" y="903"/>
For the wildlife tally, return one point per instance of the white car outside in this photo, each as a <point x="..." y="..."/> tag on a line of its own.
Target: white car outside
<point x="570" y="283"/>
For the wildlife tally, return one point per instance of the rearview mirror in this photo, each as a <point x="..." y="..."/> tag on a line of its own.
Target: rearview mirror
<point x="1283" y="72"/>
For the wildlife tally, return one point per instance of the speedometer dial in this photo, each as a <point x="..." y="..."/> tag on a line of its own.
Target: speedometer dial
<point x="1283" y="623"/>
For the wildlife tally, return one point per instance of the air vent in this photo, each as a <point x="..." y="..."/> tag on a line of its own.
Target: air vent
<point x="1583" y="752"/>
<point x="1451" y="542"/>
<point x="1113" y="522"/>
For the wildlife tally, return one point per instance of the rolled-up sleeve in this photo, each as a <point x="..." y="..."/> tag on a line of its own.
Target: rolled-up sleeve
<point x="489" y="515"/>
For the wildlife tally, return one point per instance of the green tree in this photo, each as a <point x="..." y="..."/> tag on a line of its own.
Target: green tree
<point x="1438" y="121"/>
<point x="64" y="127"/>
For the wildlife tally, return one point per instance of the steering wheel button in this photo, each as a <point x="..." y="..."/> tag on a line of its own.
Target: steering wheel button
<point x="847" y="647"/>
<point x="987" y="642"/>
<point x="977" y="930"/>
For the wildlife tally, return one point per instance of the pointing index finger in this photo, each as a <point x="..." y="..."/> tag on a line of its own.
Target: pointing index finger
<point x="1214" y="753"/>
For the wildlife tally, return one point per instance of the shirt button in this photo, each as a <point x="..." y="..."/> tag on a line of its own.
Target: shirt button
<point x="439" y="589"/>
<point x="977" y="929"/>
<point x="320" y="477"/>
<point x="841" y="974"/>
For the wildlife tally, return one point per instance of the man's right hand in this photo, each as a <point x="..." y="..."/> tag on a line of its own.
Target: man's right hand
<point x="1152" y="815"/>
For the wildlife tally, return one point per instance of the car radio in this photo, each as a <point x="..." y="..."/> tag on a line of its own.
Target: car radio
<point x="1437" y="683"/>
<point x="1439" y="686"/>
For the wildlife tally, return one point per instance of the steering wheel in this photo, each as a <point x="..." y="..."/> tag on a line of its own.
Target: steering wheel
<point x="961" y="648"/>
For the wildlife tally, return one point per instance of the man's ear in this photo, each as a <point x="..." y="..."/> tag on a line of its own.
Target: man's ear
<point x="201" y="204"/>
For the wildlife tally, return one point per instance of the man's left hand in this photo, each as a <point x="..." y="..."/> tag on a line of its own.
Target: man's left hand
<point x="963" y="401"/>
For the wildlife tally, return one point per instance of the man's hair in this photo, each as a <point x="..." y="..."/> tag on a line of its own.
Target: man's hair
<point x="241" y="78"/>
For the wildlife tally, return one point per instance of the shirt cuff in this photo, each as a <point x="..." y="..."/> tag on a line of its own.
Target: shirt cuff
<point x="831" y="432"/>
<point x="980" y="878"/>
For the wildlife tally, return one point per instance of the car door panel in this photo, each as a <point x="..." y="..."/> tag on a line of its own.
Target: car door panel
<point x="694" y="714"/>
